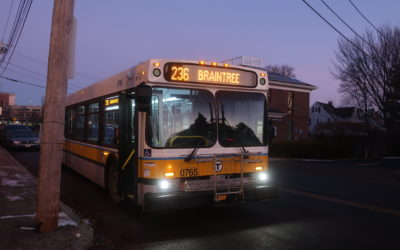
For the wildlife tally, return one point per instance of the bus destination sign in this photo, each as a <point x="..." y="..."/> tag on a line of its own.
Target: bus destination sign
<point x="178" y="72"/>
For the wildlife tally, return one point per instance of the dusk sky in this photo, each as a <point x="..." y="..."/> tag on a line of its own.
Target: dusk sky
<point x="115" y="35"/>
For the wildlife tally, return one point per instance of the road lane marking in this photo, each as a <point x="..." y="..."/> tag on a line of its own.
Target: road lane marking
<point x="344" y="202"/>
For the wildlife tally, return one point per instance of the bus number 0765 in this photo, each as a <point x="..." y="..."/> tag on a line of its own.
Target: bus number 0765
<point x="189" y="172"/>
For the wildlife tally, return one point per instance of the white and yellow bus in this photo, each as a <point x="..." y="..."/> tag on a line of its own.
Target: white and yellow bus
<point x="173" y="133"/>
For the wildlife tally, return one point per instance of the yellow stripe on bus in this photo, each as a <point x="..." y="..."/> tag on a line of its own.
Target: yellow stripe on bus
<point x="154" y="169"/>
<point x="90" y="153"/>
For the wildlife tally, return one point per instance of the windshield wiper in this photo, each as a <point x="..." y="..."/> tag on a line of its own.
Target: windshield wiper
<point x="192" y="154"/>
<point x="194" y="151"/>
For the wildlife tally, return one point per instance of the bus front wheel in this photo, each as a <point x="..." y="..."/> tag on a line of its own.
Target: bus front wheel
<point x="112" y="182"/>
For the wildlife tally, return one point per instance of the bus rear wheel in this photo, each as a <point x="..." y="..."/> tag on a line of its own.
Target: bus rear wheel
<point x="112" y="182"/>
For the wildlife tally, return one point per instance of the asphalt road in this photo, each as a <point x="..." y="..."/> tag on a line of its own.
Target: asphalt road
<point x="322" y="205"/>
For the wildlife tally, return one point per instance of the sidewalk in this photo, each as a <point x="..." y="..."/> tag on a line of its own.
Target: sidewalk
<point x="17" y="214"/>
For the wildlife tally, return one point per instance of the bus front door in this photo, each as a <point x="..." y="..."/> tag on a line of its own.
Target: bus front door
<point x="127" y="147"/>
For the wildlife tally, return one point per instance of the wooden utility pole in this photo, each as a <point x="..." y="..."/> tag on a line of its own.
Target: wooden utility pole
<point x="53" y="121"/>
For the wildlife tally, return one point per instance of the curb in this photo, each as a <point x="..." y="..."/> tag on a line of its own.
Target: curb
<point x="70" y="224"/>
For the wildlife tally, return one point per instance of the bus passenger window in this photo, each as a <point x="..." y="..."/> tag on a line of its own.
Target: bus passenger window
<point x="111" y="117"/>
<point x="79" y="123"/>
<point x="93" y="122"/>
<point x="71" y="120"/>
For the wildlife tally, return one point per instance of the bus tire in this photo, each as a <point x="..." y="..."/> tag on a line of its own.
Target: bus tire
<point x="112" y="182"/>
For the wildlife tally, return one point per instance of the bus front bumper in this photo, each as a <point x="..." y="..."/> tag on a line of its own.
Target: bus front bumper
<point x="183" y="200"/>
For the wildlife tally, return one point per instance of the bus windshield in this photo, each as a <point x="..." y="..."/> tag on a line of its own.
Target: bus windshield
<point x="241" y="119"/>
<point x="181" y="118"/>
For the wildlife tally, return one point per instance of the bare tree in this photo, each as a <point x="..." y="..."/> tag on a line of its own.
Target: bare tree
<point x="283" y="70"/>
<point x="368" y="68"/>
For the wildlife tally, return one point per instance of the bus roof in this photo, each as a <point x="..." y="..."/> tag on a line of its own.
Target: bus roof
<point x="144" y="72"/>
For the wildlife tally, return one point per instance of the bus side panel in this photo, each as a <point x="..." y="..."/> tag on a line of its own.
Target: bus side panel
<point x="83" y="159"/>
<point x="92" y="171"/>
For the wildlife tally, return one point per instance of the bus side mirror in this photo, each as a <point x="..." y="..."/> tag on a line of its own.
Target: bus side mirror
<point x="143" y="98"/>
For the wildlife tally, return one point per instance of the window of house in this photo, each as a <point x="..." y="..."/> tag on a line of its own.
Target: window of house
<point x="269" y="95"/>
<point x="290" y="101"/>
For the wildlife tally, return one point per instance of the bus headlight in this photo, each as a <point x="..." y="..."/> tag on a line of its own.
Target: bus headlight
<point x="262" y="176"/>
<point x="164" y="184"/>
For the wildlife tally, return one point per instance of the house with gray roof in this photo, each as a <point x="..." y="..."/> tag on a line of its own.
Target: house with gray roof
<point x="325" y="113"/>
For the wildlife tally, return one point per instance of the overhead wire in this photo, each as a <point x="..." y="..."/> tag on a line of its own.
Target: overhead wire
<point x="8" y="19"/>
<point x="83" y="75"/>
<point x="25" y="82"/>
<point x="347" y="39"/>
<point x="19" y="81"/>
<point x="348" y="26"/>
<point x="366" y="19"/>
<point x="12" y="32"/>
<point x="23" y="74"/>
<point x="333" y="27"/>
<point x="25" y="15"/>
<point x="42" y="75"/>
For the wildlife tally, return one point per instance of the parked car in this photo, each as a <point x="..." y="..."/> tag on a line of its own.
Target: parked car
<point x="10" y="127"/>
<point x="19" y="137"/>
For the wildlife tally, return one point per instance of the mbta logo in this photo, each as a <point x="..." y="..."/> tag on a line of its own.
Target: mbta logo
<point x="218" y="166"/>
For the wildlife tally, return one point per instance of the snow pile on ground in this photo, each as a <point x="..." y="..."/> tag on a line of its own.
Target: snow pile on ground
<point x="65" y="220"/>
<point x="14" y="198"/>
<point x="10" y="183"/>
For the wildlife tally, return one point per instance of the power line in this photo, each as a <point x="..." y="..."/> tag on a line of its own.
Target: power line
<point x="13" y="31"/>
<point x="8" y="19"/>
<point x="333" y="27"/>
<point x="28" y="83"/>
<point x="31" y="58"/>
<point x="21" y="73"/>
<point x="42" y="75"/>
<point x="25" y="15"/>
<point x="348" y="26"/>
<point x="83" y="75"/>
<point x="366" y="19"/>
<point x="31" y="71"/>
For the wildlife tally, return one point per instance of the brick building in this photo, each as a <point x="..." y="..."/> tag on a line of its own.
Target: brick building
<point x="7" y="99"/>
<point x="12" y="113"/>
<point x="288" y="107"/>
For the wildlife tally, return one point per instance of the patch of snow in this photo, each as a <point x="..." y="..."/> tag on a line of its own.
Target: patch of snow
<point x="86" y="221"/>
<point x="27" y="228"/>
<point x="16" y="216"/>
<point x="10" y="183"/>
<point x="14" y="198"/>
<point x="65" y="220"/>
<point x="391" y="158"/>
<point x="24" y="177"/>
